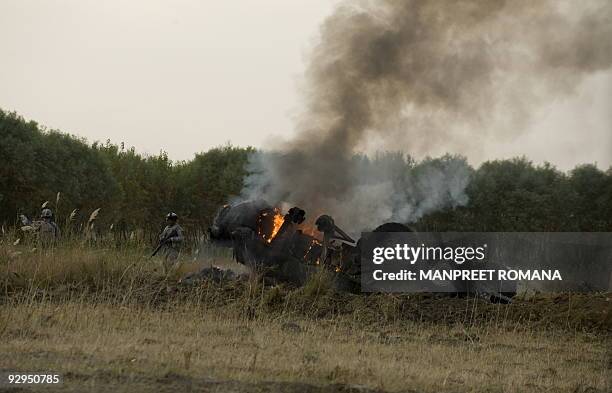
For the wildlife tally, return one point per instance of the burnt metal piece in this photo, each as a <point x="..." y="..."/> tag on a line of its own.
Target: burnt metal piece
<point x="275" y="244"/>
<point x="242" y="215"/>
<point x="296" y="215"/>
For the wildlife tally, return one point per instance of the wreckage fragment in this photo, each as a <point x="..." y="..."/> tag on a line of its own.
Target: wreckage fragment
<point x="263" y="238"/>
<point x="281" y="247"/>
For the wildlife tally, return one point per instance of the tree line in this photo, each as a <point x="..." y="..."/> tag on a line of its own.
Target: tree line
<point x="135" y="191"/>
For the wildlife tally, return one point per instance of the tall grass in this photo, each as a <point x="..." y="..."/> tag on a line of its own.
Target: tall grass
<point x="126" y="275"/>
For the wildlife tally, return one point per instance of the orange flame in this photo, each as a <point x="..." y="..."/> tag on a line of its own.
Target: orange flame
<point x="278" y="222"/>
<point x="312" y="243"/>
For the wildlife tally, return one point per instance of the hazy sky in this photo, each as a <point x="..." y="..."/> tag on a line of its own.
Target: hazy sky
<point x="184" y="76"/>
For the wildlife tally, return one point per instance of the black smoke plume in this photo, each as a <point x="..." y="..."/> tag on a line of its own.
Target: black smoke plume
<point x="423" y="76"/>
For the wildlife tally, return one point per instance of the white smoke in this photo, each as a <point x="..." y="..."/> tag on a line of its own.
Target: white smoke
<point x="390" y="187"/>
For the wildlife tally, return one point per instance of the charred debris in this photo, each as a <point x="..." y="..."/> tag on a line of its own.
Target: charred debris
<point x="288" y="248"/>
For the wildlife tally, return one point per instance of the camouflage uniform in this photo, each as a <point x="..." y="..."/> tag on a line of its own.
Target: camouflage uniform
<point x="173" y="237"/>
<point x="48" y="232"/>
<point x="47" y="229"/>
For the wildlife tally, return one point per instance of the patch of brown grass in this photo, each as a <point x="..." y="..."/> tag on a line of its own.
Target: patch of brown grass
<point x="110" y="319"/>
<point x="128" y="276"/>
<point x="90" y="340"/>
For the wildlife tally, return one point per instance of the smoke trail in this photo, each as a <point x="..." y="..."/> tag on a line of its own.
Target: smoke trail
<point x="430" y="76"/>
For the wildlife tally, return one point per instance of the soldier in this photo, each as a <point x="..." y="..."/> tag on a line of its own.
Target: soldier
<point x="48" y="231"/>
<point x="170" y="241"/>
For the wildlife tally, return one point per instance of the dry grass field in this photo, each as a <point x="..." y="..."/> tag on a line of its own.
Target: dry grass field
<point x="109" y="320"/>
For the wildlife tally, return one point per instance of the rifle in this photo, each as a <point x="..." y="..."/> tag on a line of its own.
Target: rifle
<point x="159" y="246"/>
<point x="162" y="242"/>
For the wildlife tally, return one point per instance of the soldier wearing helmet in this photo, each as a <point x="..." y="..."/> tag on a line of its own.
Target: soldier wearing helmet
<point x="48" y="231"/>
<point x="171" y="240"/>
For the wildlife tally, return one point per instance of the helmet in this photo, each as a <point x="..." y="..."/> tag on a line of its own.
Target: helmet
<point x="46" y="213"/>
<point x="172" y="216"/>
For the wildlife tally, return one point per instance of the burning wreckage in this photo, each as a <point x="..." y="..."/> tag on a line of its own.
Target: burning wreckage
<point x="286" y="249"/>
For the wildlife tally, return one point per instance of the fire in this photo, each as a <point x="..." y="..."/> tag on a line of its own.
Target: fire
<point x="312" y="243"/>
<point x="270" y="226"/>
<point x="310" y="230"/>
<point x="278" y="222"/>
